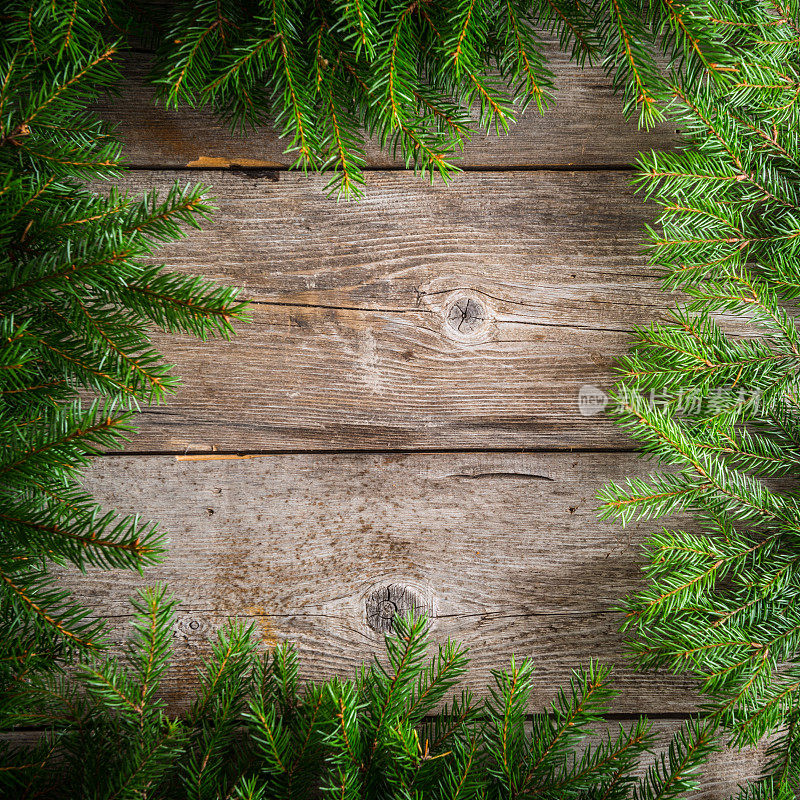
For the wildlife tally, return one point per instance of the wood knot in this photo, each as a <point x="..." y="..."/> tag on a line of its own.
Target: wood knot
<point x="191" y="628"/>
<point x="385" y="602"/>
<point x="466" y="316"/>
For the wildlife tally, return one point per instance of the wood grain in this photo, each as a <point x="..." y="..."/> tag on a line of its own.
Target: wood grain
<point x="422" y="318"/>
<point x="504" y="550"/>
<point x="357" y="340"/>
<point x="725" y="771"/>
<point x="327" y="379"/>
<point x="585" y="127"/>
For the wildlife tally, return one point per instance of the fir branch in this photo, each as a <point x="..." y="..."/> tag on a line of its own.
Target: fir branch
<point x="74" y="264"/>
<point x="721" y="603"/>
<point x="252" y="733"/>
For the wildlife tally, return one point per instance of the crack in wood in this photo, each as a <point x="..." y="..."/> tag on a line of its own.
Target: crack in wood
<point x="478" y="475"/>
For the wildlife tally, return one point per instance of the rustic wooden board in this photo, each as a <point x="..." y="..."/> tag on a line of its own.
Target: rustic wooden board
<point x="424" y="317"/>
<point x="504" y="550"/>
<point x="722" y="775"/>
<point x="555" y="248"/>
<point x="586" y="127"/>
<point x="325" y="379"/>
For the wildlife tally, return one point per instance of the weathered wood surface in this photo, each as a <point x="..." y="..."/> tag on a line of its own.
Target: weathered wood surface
<point x="422" y="318"/>
<point x="584" y="128"/>
<point x="503" y="550"/>
<point x="722" y="775"/>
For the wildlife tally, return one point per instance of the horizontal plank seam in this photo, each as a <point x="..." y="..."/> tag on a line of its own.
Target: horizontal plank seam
<point x="644" y="276"/>
<point x="658" y="716"/>
<point x="371" y="452"/>
<point x="287" y="304"/>
<point x="625" y="303"/>
<point x="474" y="476"/>
<point x="471" y="168"/>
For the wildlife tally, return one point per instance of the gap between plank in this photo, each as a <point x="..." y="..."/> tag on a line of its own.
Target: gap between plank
<point x="393" y="168"/>
<point x="207" y="455"/>
<point x="611" y="717"/>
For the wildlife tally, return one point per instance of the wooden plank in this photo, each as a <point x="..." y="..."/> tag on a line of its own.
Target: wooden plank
<point x="722" y="775"/>
<point x="425" y="317"/>
<point x="585" y="127"/>
<point x="558" y="248"/>
<point x="725" y="771"/>
<point x="503" y="550"/>
<point x="324" y="379"/>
